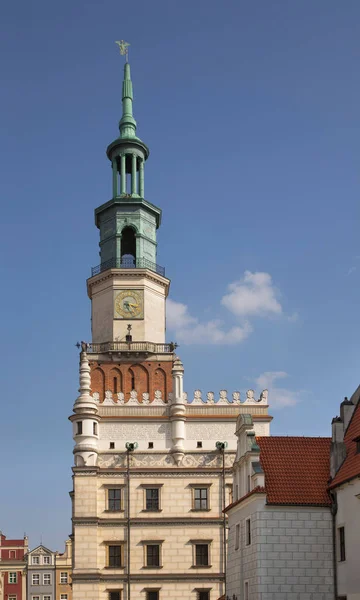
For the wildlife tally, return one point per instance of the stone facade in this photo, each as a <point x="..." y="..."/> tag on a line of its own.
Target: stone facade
<point x="13" y="568"/>
<point x="289" y="557"/>
<point x="345" y="493"/>
<point x="41" y="574"/>
<point x="63" y="567"/>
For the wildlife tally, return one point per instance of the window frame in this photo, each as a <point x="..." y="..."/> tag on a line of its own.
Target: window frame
<point x="115" y="544"/>
<point x="237" y="536"/>
<point x="246" y="589"/>
<point x="12" y="597"/>
<point x="47" y="575"/>
<point x="62" y="573"/>
<point x="248" y="532"/>
<point x="152" y="486"/>
<point x="63" y="596"/>
<point x="341" y="544"/>
<point x="196" y="543"/>
<point x="120" y="487"/>
<point x="12" y="554"/>
<point x="200" y="486"/>
<point x="119" y="592"/>
<point x="35" y="560"/>
<point x="32" y="578"/>
<point x="37" y="597"/>
<point x="149" y="591"/>
<point x="48" y="558"/>
<point x="109" y="500"/>
<point x="46" y="597"/>
<point x="14" y="573"/>
<point x="200" y="591"/>
<point x="147" y="543"/>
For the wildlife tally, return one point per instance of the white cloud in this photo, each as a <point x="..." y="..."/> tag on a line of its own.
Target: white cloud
<point x="279" y="397"/>
<point x="189" y="330"/>
<point x="253" y="295"/>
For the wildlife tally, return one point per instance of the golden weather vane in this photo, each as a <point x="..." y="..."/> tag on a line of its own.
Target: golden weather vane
<point x="123" y="47"/>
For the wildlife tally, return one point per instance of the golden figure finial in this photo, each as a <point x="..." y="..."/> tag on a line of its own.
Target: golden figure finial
<point x="123" y="47"/>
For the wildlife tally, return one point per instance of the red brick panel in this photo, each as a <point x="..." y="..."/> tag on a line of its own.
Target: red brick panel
<point x="147" y="376"/>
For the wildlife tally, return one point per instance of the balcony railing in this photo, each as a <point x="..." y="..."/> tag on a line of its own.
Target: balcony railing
<point x="128" y="263"/>
<point x="148" y="347"/>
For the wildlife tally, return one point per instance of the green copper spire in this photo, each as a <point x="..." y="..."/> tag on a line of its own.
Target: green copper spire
<point x="127" y="124"/>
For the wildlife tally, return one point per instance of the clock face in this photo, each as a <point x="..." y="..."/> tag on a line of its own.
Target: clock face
<point x="129" y="304"/>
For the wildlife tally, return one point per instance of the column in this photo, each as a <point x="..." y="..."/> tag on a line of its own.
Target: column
<point x="141" y="178"/>
<point x="123" y="174"/>
<point x="178" y="412"/>
<point x="133" y="175"/>
<point x="115" y="178"/>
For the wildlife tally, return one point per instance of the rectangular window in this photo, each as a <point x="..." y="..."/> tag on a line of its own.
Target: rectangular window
<point x="114" y="499"/>
<point x="114" y="595"/>
<point x="201" y="498"/>
<point x="236" y="492"/>
<point x="63" y="597"/>
<point x="79" y="427"/>
<point x="203" y="595"/>
<point x="248" y="483"/>
<point x="47" y="560"/>
<point x="112" y="446"/>
<point x="246" y="590"/>
<point x="35" y="597"/>
<point x="46" y="579"/>
<point x="35" y="580"/>
<point x="153" y="555"/>
<point x="248" y="532"/>
<point x="115" y="556"/>
<point x="12" y="553"/>
<point x="12" y="577"/>
<point x="201" y="555"/>
<point x="152" y="595"/>
<point x="46" y="597"/>
<point x="342" y="555"/>
<point x="63" y="578"/>
<point x="35" y="560"/>
<point x="11" y="597"/>
<point x="237" y="536"/>
<point x="94" y="428"/>
<point x="152" y="498"/>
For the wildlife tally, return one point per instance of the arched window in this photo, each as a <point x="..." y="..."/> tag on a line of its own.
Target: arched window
<point x="128" y="248"/>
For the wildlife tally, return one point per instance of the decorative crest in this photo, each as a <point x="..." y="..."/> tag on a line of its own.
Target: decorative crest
<point x="123" y="47"/>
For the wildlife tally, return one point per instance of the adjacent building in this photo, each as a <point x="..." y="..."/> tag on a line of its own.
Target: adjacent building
<point x="152" y="466"/>
<point x="41" y="574"/>
<point x="13" y="568"/>
<point x="280" y="522"/>
<point x="345" y="492"/>
<point x="63" y="572"/>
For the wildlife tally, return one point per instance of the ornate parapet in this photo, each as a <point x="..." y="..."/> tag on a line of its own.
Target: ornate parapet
<point x="133" y="400"/>
<point x="223" y="398"/>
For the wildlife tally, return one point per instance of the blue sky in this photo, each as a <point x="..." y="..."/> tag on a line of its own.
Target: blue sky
<point x="250" y="110"/>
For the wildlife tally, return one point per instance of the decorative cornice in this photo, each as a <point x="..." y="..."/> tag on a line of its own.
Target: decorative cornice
<point x="149" y="522"/>
<point x="171" y="577"/>
<point x="126" y="274"/>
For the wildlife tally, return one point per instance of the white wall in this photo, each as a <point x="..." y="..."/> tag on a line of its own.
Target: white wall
<point x="291" y="557"/>
<point x="348" y="516"/>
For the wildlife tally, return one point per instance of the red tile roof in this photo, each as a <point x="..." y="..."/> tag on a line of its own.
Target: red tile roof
<point x="296" y="469"/>
<point x="351" y="465"/>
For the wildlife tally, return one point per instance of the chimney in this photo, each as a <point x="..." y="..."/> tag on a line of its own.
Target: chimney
<point x="346" y="411"/>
